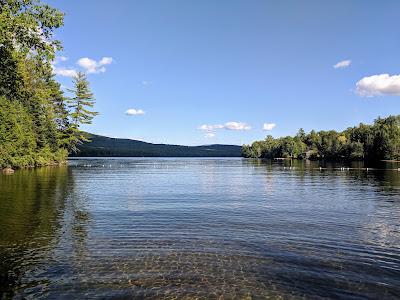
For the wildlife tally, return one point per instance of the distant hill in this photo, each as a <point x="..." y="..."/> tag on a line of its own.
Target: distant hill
<point x="115" y="147"/>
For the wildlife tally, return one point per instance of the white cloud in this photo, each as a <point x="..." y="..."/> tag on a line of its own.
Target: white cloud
<point x="92" y="66"/>
<point x="106" y="61"/>
<point x="237" y="126"/>
<point x="210" y="127"/>
<point x="228" y="126"/>
<point x="269" y="126"/>
<point x="58" y="59"/>
<point x="134" y="112"/>
<point x="89" y="64"/>
<point x="342" y="64"/>
<point x="209" y="135"/>
<point x="146" y="82"/>
<point x="64" y="72"/>
<point x="379" y="85"/>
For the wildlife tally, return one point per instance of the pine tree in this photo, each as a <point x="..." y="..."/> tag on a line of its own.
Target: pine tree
<point x="81" y="112"/>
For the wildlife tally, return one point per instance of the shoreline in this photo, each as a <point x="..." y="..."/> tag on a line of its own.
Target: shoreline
<point x="11" y="169"/>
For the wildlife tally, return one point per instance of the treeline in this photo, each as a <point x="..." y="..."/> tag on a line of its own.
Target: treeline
<point x="113" y="147"/>
<point x="38" y="124"/>
<point x="379" y="141"/>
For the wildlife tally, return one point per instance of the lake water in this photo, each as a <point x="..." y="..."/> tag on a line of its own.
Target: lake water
<point x="205" y="228"/>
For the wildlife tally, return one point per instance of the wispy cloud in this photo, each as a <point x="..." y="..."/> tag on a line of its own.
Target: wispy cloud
<point x="93" y="66"/>
<point x="269" y="126"/>
<point x="379" y="85"/>
<point x="146" y="82"/>
<point x="210" y="127"/>
<point x="342" y="64"/>
<point x="237" y="126"/>
<point x="227" y="126"/>
<point x="209" y="135"/>
<point x="134" y="112"/>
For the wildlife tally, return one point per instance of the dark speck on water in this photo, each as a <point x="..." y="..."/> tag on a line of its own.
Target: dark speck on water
<point x="182" y="228"/>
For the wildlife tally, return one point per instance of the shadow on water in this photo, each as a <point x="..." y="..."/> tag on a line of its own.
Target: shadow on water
<point x="381" y="174"/>
<point x="187" y="228"/>
<point x="36" y="210"/>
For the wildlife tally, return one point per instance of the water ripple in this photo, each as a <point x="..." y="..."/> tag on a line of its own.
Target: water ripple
<point x="199" y="228"/>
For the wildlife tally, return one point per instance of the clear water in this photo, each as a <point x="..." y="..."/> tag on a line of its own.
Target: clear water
<point x="200" y="228"/>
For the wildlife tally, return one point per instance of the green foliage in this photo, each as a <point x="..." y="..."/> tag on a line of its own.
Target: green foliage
<point x="272" y="148"/>
<point x="27" y="26"/>
<point x="82" y="101"/>
<point x="386" y="142"/>
<point x="364" y="142"/>
<point x="17" y="138"/>
<point x="80" y="106"/>
<point x="36" y="127"/>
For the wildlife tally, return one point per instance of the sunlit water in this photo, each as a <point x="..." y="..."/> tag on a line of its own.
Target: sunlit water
<point x="205" y="228"/>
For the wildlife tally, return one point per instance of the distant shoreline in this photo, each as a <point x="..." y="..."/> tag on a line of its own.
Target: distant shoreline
<point x="102" y="146"/>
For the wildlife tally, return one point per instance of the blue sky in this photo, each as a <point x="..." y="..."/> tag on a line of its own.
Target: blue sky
<point x="229" y="67"/>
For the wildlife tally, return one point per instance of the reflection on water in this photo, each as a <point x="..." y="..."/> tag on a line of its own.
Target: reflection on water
<point x="206" y="228"/>
<point x="31" y="208"/>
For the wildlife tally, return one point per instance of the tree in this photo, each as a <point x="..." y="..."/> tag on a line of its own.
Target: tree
<point x="26" y="28"/>
<point x="356" y="151"/>
<point x="313" y="140"/>
<point x="369" y="142"/>
<point x="28" y="91"/>
<point x="246" y="151"/>
<point x="81" y="105"/>
<point x="301" y="134"/>
<point x="387" y="137"/>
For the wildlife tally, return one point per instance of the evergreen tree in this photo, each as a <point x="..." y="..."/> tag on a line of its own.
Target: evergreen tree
<point x="80" y="104"/>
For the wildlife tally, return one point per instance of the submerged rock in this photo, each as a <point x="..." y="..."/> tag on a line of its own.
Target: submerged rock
<point x="8" y="170"/>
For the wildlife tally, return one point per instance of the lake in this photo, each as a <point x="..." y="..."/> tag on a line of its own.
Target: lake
<point x="206" y="228"/>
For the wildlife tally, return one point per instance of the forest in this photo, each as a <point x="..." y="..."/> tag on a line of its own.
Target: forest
<point x="379" y="141"/>
<point x="102" y="146"/>
<point x="39" y="125"/>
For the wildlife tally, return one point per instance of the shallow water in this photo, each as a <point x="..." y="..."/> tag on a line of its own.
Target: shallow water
<point x="205" y="228"/>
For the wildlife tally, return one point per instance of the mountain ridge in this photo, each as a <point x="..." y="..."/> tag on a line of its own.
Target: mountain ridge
<point x="121" y="147"/>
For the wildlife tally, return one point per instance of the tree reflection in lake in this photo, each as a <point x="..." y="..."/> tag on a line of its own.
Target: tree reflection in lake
<point x="206" y="228"/>
<point x="37" y="214"/>
<point x="31" y="205"/>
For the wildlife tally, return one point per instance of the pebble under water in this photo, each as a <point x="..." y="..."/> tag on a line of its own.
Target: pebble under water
<point x="187" y="228"/>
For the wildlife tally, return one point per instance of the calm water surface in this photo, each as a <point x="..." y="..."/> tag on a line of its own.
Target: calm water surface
<point x="205" y="228"/>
